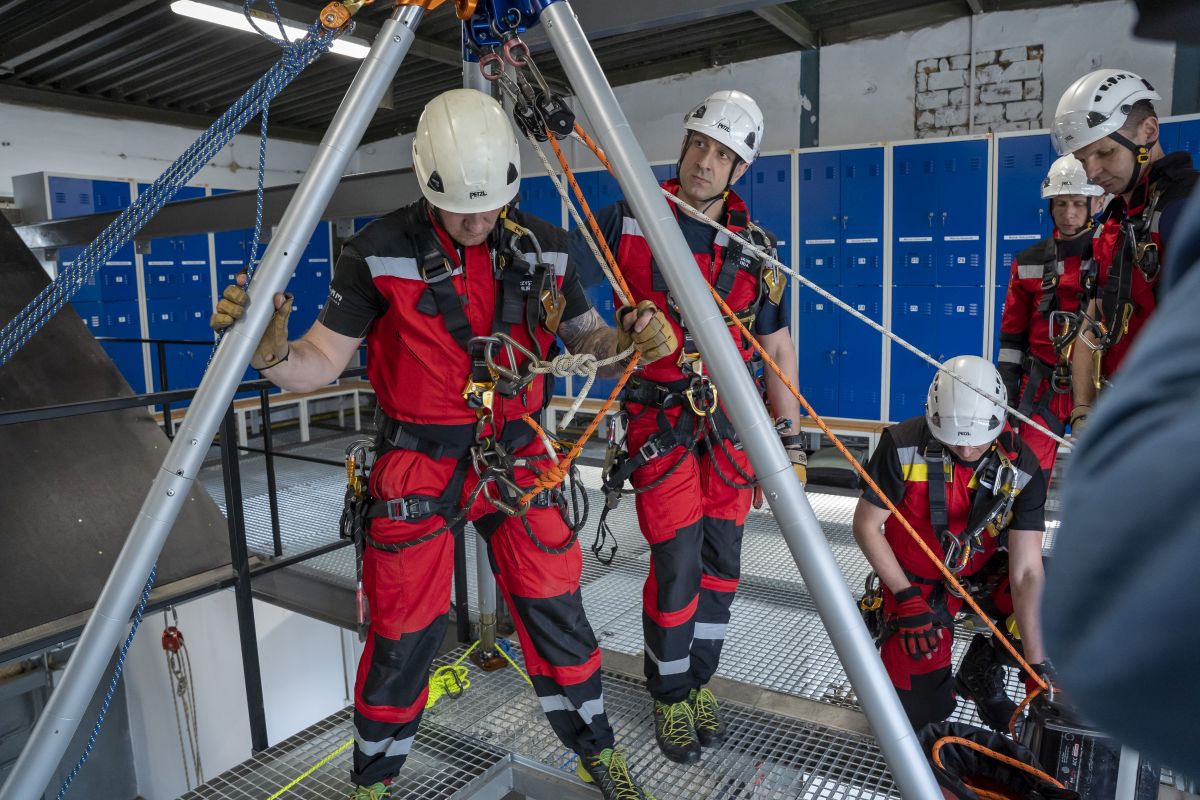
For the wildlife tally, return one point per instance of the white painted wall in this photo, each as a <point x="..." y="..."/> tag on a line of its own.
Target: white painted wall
<point x="655" y="111"/>
<point x="43" y="140"/>
<point x="305" y="680"/>
<point x="867" y="86"/>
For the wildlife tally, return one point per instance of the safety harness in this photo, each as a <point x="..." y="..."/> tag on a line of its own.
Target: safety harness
<point x="527" y="296"/>
<point x="995" y="487"/>
<point x="701" y="421"/>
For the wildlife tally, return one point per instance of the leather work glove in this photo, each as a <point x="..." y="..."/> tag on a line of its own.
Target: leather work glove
<point x="273" y="347"/>
<point x="795" y="450"/>
<point x="914" y="620"/>
<point x="1078" y="420"/>
<point x="647" y="329"/>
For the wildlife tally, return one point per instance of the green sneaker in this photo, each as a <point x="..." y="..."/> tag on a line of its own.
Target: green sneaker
<point x="710" y="728"/>
<point x="376" y="791"/>
<point x="609" y="773"/>
<point x="675" y="731"/>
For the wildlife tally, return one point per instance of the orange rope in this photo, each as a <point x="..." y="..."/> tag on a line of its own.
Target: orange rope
<point x="949" y="576"/>
<point x="555" y="475"/>
<point x="846" y="453"/>
<point x="1012" y="762"/>
<point x="587" y="213"/>
<point x="1012" y="723"/>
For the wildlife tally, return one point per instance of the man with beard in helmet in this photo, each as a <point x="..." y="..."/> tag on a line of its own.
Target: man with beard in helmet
<point x="971" y="489"/>
<point x="1043" y="290"/>
<point x="421" y="284"/>
<point x="693" y="482"/>
<point x="1107" y="120"/>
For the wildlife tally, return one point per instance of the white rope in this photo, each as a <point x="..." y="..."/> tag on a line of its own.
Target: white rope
<point x="585" y="364"/>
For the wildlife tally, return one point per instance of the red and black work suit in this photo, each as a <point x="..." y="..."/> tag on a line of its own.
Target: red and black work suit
<point x="1045" y="278"/>
<point x="903" y="464"/>
<point x="695" y="483"/>
<point x="1127" y="275"/>
<point x="418" y="370"/>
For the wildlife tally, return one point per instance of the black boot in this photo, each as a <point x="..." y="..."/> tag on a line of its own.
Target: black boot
<point x="675" y="731"/>
<point x="710" y="726"/>
<point x="610" y="774"/>
<point x="981" y="679"/>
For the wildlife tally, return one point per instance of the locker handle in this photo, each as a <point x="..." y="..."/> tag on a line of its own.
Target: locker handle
<point x="944" y="215"/>
<point x="832" y="354"/>
<point x="931" y="219"/>
<point x="845" y="219"/>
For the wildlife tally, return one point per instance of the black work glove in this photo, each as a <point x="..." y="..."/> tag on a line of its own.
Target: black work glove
<point x="914" y="620"/>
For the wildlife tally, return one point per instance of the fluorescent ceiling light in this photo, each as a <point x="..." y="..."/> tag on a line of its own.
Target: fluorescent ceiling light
<point x="232" y="17"/>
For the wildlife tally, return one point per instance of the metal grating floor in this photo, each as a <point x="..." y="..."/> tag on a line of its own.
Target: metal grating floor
<point x="767" y="757"/>
<point x="777" y="639"/>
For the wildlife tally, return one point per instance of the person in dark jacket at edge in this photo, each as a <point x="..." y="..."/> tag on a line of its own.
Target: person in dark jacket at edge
<point x="1117" y="621"/>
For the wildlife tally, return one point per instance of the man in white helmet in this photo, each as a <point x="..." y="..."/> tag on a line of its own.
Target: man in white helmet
<point x="1044" y="291"/>
<point x="420" y="284"/>
<point x="1107" y="120"/>
<point x="694" y="484"/>
<point x="971" y="489"/>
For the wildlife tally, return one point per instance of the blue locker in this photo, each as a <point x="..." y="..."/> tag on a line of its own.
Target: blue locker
<point x="860" y="358"/>
<point x="663" y="172"/>
<point x="1001" y="293"/>
<point x="1022" y="216"/>
<point x="164" y="318"/>
<point x="744" y="186"/>
<point x="1168" y="136"/>
<point x="862" y="217"/>
<point x="92" y="315"/>
<point x="962" y="198"/>
<point x="605" y="191"/>
<point x="110" y="196"/>
<point x="177" y="266"/>
<point x="960" y="321"/>
<point x="820" y="352"/>
<point x="70" y="197"/>
<point x="913" y="319"/>
<point x="915" y="206"/>
<point x="540" y="199"/>
<point x="121" y="321"/>
<point x="820" y="217"/>
<point x="1189" y="140"/>
<point x="772" y="208"/>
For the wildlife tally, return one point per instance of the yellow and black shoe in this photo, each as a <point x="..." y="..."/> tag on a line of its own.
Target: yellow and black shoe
<point x="710" y="727"/>
<point x="610" y="774"/>
<point x="675" y="731"/>
<point x="376" y="791"/>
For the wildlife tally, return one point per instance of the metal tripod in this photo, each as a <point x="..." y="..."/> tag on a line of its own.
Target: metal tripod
<point x="802" y="531"/>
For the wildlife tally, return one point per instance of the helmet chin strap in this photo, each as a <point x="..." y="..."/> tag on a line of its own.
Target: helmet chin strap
<point x="1141" y="156"/>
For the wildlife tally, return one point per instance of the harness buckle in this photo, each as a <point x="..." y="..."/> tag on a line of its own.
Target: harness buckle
<point x="430" y="266"/>
<point x="702" y="397"/>
<point x="651" y="450"/>
<point x="409" y="509"/>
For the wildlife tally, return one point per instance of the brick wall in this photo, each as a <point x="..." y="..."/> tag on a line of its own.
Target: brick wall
<point x="1008" y="92"/>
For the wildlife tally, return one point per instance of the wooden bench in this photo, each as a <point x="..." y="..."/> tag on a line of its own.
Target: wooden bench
<point x="245" y="407"/>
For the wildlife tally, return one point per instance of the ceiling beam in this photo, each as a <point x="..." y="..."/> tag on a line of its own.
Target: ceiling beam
<point x="789" y="22"/>
<point x="84" y="18"/>
<point x="894" y="22"/>
<point x="11" y="92"/>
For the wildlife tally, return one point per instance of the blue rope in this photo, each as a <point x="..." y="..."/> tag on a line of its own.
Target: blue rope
<point x="296" y="57"/>
<point x="112" y="686"/>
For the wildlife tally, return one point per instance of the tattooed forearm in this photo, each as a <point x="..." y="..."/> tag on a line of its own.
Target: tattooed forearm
<point x="588" y="333"/>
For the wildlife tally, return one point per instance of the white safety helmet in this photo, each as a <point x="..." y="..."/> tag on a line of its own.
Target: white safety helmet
<point x="1067" y="176"/>
<point x="732" y="118"/>
<point x="465" y="153"/>
<point x="1096" y="106"/>
<point x="960" y="416"/>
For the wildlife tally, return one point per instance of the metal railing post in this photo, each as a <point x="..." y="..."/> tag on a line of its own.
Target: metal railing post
<point x="244" y="600"/>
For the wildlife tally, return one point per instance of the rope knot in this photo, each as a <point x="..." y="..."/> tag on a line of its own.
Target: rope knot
<point x="568" y="364"/>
